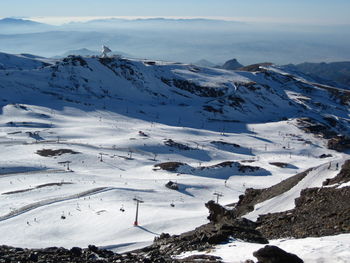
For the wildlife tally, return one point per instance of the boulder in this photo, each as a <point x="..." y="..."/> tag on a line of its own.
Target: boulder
<point x="273" y="254"/>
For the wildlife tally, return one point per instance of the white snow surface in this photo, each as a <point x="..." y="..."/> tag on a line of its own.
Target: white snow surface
<point x="331" y="249"/>
<point x="97" y="108"/>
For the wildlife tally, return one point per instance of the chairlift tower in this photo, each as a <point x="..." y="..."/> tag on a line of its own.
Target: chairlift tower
<point x="66" y="163"/>
<point x="138" y="201"/>
<point x="101" y="156"/>
<point x="218" y="195"/>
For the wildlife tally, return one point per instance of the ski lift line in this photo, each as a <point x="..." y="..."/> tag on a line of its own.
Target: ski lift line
<point x="30" y="207"/>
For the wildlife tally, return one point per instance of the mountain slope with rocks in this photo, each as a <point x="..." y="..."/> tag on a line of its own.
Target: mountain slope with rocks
<point x="83" y="137"/>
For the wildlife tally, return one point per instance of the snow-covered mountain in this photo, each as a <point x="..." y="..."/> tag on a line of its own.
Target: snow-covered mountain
<point x="19" y="22"/>
<point x="232" y="64"/>
<point x="81" y="137"/>
<point x="22" y="61"/>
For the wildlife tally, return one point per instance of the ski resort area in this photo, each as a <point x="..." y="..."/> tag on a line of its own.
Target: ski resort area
<point x="171" y="160"/>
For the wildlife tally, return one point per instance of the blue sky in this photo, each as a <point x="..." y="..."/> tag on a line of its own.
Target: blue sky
<point x="299" y="11"/>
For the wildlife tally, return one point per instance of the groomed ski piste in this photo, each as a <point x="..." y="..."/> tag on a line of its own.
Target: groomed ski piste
<point x="80" y="139"/>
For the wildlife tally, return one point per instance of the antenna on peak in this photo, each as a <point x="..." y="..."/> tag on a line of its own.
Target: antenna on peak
<point x="105" y="51"/>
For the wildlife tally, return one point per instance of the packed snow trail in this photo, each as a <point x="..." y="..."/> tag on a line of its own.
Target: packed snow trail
<point x="33" y="206"/>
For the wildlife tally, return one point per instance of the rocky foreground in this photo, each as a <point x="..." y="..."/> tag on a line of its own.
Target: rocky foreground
<point x="268" y="254"/>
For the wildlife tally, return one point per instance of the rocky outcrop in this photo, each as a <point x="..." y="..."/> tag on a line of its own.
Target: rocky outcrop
<point x="194" y="88"/>
<point x="339" y="143"/>
<point x="342" y="177"/>
<point x="74" y="255"/>
<point x="52" y="153"/>
<point x="252" y="196"/>
<point x="318" y="212"/>
<point x="91" y="254"/>
<point x="223" y="226"/>
<point x="177" y="145"/>
<point x="332" y="130"/>
<point x="172" y="185"/>
<point x="169" y="166"/>
<point x="256" y="67"/>
<point x="323" y="130"/>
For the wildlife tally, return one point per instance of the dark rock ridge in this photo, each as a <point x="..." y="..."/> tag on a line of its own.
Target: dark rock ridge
<point x="256" y="67"/>
<point x="342" y="177"/>
<point x="339" y="143"/>
<point x="318" y="212"/>
<point x="252" y="196"/>
<point x="328" y="129"/>
<point x="177" y="145"/>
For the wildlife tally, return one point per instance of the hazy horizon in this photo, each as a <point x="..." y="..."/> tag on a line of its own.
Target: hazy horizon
<point x="321" y="12"/>
<point x="280" y="32"/>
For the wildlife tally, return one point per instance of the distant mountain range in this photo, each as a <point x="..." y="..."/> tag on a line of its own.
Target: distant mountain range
<point x="336" y="71"/>
<point x="18" y="22"/>
<point x="16" y="25"/>
<point x="159" y="20"/>
<point x="181" y="40"/>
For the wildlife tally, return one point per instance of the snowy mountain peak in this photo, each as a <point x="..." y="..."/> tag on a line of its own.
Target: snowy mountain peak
<point x="232" y="64"/>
